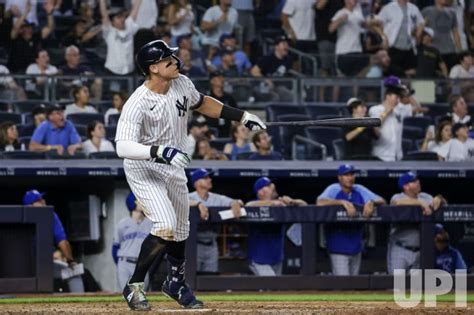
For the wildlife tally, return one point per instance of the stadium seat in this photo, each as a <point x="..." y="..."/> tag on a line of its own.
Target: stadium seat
<point x="407" y="145"/>
<point x="437" y="109"/>
<point x="420" y="156"/>
<point x="26" y="130"/>
<point x="25" y="141"/>
<point x="339" y="148"/>
<point x="81" y="130"/>
<point x="103" y="106"/>
<point x="325" y="135"/>
<point x="241" y="93"/>
<point x="287" y="133"/>
<point x="318" y="110"/>
<point x="53" y="155"/>
<point x="85" y="118"/>
<point x="103" y="155"/>
<point x="419" y="122"/>
<point x="273" y="111"/>
<point x="113" y="119"/>
<point x="413" y="133"/>
<point x="110" y="132"/>
<point x="13" y="117"/>
<point x="219" y="143"/>
<point x="244" y="156"/>
<point x="20" y="155"/>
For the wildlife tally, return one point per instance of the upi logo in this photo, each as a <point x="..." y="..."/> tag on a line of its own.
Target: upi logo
<point x="437" y="282"/>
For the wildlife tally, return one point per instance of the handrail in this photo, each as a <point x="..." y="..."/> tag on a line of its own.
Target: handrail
<point x="309" y="141"/>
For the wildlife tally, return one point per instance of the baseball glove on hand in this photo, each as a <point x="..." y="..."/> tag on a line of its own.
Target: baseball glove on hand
<point x="252" y="122"/>
<point x="170" y="156"/>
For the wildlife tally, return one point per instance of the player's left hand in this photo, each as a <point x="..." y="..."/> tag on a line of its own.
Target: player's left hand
<point x="173" y="156"/>
<point x="252" y="122"/>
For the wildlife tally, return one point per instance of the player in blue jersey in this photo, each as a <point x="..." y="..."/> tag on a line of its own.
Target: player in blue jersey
<point x="128" y="238"/>
<point x="344" y="240"/>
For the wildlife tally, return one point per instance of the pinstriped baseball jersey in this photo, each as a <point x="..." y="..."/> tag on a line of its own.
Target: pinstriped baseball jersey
<point x="150" y="118"/>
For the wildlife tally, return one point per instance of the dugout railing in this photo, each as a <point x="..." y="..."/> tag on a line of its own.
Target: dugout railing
<point x="310" y="217"/>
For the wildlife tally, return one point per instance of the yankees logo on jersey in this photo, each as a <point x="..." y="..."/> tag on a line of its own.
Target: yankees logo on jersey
<point x="182" y="106"/>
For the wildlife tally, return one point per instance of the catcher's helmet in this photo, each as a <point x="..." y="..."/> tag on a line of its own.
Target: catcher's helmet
<point x="153" y="52"/>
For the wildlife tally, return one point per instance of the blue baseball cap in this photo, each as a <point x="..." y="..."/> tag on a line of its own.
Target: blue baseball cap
<point x="439" y="228"/>
<point x="131" y="202"/>
<point x="199" y="174"/>
<point x="260" y="183"/>
<point x="406" y="178"/>
<point x="32" y="196"/>
<point x="345" y="169"/>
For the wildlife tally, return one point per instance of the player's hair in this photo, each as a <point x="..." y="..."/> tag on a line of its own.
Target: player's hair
<point x="256" y="137"/>
<point x="4" y="131"/>
<point x="91" y="127"/>
<point x="453" y="99"/>
<point x="439" y="130"/>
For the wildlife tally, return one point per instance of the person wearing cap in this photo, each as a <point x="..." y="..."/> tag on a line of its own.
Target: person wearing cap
<point x="118" y="31"/>
<point x="34" y="198"/>
<point x="263" y="143"/>
<point x="447" y="257"/>
<point x="464" y="69"/>
<point x="344" y="242"/>
<point x="218" y="20"/>
<point x="429" y="63"/>
<point x="403" y="250"/>
<point x="358" y="141"/>
<point x="129" y="234"/>
<point x="203" y="198"/>
<point x="228" y="42"/>
<point x="266" y="242"/>
<point x="277" y="63"/>
<point x="56" y="133"/>
<point x="388" y="146"/>
<point x="25" y="41"/>
<point x="180" y="17"/>
<point x="460" y="147"/>
<point x="228" y="68"/>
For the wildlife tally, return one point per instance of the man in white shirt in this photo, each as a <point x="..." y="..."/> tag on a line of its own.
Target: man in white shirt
<point x="461" y="147"/>
<point x="147" y="14"/>
<point x="464" y="69"/>
<point x="118" y="31"/>
<point x="298" y="21"/>
<point x="459" y="109"/>
<point x="388" y="146"/>
<point x="19" y="7"/>
<point x="219" y="19"/>
<point x="81" y="100"/>
<point x="403" y="24"/>
<point x="41" y="67"/>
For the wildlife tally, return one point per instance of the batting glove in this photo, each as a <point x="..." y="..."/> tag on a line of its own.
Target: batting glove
<point x="172" y="156"/>
<point x="252" y="122"/>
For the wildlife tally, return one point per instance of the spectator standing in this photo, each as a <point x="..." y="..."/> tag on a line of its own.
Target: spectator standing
<point x="403" y="250"/>
<point x="34" y="198"/>
<point x="17" y="8"/>
<point x="202" y="197"/>
<point x="402" y="24"/>
<point x="263" y="143"/>
<point x="459" y="109"/>
<point x="55" y="133"/>
<point x="129" y="234"/>
<point x="464" y="69"/>
<point x="358" y="141"/>
<point x="459" y="8"/>
<point x="348" y="23"/>
<point x="266" y="242"/>
<point x="447" y="257"/>
<point x="382" y="66"/>
<point x="276" y="64"/>
<point x="388" y="146"/>
<point x="180" y="17"/>
<point x="81" y="101"/>
<point x="461" y="147"/>
<point x="118" y="100"/>
<point x="96" y="139"/>
<point x="118" y="31"/>
<point x="298" y="22"/>
<point x="217" y="20"/>
<point x="434" y="142"/>
<point x="147" y="14"/>
<point x="429" y="64"/>
<point x="82" y="35"/>
<point x="9" y="137"/>
<point x="245" y="12"/>
<point x="446" y="38"/>
<point x="344" y="241"/>
<point x="41" y="68"/>
<point x="25" y="42"/>
<point x="240" y="142"/>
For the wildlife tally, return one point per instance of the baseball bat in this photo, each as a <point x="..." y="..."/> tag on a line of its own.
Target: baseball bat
<point x="333" y="122"/>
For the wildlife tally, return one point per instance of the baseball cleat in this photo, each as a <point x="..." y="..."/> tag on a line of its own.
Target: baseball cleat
<point x="135" y="296"/>
<point x="183" y="295"/>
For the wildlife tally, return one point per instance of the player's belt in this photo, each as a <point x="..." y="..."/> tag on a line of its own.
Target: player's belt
<point x="410" y="248"/>
<point x="132" y="260"/>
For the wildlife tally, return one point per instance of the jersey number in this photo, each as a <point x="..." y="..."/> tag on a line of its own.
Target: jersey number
<point x="182" y="106"/>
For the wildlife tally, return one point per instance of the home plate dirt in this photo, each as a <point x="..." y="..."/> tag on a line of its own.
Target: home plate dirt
<point x="352" y="308"/>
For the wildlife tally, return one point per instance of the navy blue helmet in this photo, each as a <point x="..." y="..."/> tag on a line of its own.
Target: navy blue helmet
<point x="152" y="53"/>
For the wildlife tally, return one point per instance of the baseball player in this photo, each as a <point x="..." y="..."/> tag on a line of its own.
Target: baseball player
<point x="152" y="137"/>
<point x="128" y="237"/>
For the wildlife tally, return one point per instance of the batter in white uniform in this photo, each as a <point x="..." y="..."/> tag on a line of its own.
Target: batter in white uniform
<point x="151" y="137"/>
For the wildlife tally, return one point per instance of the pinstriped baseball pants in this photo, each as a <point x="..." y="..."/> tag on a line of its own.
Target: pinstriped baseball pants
<point x="163" y="193"/>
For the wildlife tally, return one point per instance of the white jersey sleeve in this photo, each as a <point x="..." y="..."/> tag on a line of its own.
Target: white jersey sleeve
<point x="130" y="122"/>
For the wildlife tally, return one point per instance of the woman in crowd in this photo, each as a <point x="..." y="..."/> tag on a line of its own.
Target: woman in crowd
<point x="96" y="141"/>
<point x="9" y="137"/>
<point x="240" y="144"/>
<point x="180" y="16"/>
<point x="204" y="151"/>
<point x="118" y="100"/>
<point x="442" y="135"/>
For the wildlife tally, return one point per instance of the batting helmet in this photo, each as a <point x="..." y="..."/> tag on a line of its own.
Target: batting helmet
<point x="152" y="53"/>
